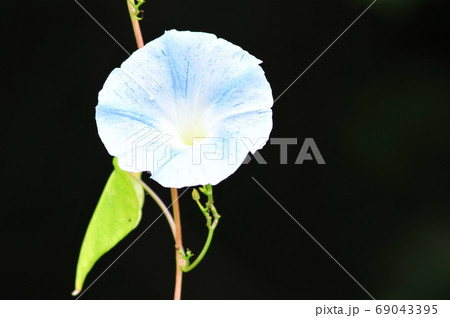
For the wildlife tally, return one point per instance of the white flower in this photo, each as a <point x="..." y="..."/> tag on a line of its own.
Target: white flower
<point x="187" y="107"/>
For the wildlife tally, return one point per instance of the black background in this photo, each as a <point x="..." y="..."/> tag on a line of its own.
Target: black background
<point x="376" y="104"/>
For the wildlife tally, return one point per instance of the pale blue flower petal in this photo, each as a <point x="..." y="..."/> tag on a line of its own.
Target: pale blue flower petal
<point x="179" y="86"/>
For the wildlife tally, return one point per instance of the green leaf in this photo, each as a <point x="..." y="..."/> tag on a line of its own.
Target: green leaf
<point x="117" y="213"/>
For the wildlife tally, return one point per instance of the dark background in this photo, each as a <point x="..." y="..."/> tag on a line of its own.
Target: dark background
<point x="376" y="104"/>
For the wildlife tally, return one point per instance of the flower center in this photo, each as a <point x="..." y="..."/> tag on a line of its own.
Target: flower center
<point x="191" y="130"/>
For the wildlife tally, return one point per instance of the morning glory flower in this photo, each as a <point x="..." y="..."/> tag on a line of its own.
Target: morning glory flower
<point x="187" y="107"/>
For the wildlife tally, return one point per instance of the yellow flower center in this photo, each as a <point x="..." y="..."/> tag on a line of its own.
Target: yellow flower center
<point x="191" y="130"/>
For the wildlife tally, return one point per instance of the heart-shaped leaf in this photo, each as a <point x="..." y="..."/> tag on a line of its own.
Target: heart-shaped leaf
<point x="117" y="213"/>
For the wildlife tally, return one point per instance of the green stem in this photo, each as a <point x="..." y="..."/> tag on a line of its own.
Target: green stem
<point x="210" y="224"/>
<point x="158" y="201"/>
<point x="202" y="253"/>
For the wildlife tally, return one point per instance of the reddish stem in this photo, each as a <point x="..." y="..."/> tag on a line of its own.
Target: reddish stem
<point x="135" y="24"/>
<point x="178" y="244"/>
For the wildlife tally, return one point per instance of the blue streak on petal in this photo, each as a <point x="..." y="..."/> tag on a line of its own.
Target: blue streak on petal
<point x="128" y="115"/>
<point x="186" y="80"/>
